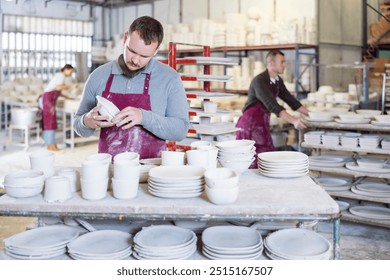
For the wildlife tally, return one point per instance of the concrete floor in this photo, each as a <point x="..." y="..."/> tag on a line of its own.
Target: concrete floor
<point x="357" y="241"/>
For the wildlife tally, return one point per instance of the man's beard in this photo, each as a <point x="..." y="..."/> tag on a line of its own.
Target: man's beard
<point x="126" y="71"/>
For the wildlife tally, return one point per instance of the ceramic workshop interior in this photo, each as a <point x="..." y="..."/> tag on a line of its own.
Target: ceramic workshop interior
<point x="217" y="48"/>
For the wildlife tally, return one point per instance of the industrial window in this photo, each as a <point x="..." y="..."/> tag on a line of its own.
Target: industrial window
<point x="39" y="47"/>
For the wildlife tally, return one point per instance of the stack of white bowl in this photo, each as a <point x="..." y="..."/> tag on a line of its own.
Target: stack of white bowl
<point x="126" y="177"/>
<point x="236" y="154"/>
<point x="95" y="175"/>
<point x="164" y="242"/>
<point x="222" y="185"/>
<point x="385" y="143"/>
<point x="101" y="245"/>
<point x="231" y="242"/>
<point x="368" y="141"/>
<point x="25" y="183"/>
<point x="313" y="137"/>
<point x="283" y="164"/>
<point x="352" y="118"/>
<point x="331" y="138"/>
<point x="367" y="113"/>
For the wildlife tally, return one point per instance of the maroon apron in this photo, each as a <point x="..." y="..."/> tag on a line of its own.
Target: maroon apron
<point x="254" y="125"/>
<point x="115" y="140"/>
<point x="49" y="114"/>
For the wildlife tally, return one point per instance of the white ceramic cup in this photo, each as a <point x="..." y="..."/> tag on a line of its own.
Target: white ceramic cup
<point x="213" y="155"/>
<point x="43" y="160"/>
<point x="94" y="189"/>
<point x="103" y="157"/>
<point x="126" y="170"/>
<point x="57" y="189"/>
<point x="198" y="158"/>
<point x="172" y="158"/>
<point x="124" y="189"/>
<point x="73" y="176"/>
<point x="95" y="169"/>
<point x="132" y="156"/>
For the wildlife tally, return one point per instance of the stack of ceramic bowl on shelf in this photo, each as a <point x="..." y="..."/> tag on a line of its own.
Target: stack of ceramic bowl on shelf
<point x="176" y="181"/>
<point x="101" y="245"/>
<point x="236" y="154"/>
<point x="369" y="164"/>
<point x="95" y="175"/>
<point x="313" y="137"/>
<point x="350" y="140"/>
<point x="221" y="185"/>
<point x="367" y="113"/>
<point x="369" y="141"/>
<point x="41" y="243"/>
<point x="24" y="183"/>
<point x="331" y="138"/>
<point x="222" y="242"/>
<point x="381" y="120"/>
<point x="385" y="143"/>
<point x="297" y="244"/>
<point x="283" y="164"/>
<point x="125" y="181"/>
<point x="320" y="117"/>
<point x="164" y="242"/>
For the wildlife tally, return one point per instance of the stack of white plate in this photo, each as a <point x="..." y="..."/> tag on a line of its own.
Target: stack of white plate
<point x="371" y="212"/>
<point x="101" y="245"/>
<point x="334" y="184"/>
<point x="372" y="189"/>
<point x="331" y="138"/>
<point x="40" y="243"/>
<point x="164" y="242"/>
<point x="350" y="140"/>
<point x="297" y="244"/>
<point x="231" y="242"/>
<point x="377" y="170"/>
<point x="313" y="137"/>
<point x="327" y="161"/>
<point x="385" y="143"/>
<point x="176" y="181"/>
<point x="283" y="164"/>
<point x="369" y="141"/>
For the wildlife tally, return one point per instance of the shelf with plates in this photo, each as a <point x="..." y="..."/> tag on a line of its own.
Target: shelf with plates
<point x="351" y="168"/>
<point x="346" y="149"/>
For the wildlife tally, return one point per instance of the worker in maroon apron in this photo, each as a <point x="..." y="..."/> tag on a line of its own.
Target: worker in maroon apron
<point x="114" y="140"/>
<point x="254" y="124"/>
<point x="47" y="103"/>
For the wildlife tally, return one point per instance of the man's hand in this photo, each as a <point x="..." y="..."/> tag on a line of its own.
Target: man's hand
<point x="128" y="117"/>
<point x="299" y="124"/>
<point x="94" y="120"/>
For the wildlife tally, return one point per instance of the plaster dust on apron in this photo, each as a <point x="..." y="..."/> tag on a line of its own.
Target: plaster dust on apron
<point x="115" y="140"/>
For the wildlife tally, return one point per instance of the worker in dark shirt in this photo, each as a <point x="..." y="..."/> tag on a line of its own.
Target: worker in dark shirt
<point x="254" y="124"/>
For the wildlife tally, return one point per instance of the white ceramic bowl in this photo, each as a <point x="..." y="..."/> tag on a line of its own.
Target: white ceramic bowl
<point x="221" y="196"/>
<point x="133" y="156"/>
<point x="144" y="172"/>
<point x="24" y="178"/>
<point x="22" y="192"/>
<point x="57" y="189"/>
<point x="196" y="144"/>
<point x="221" y="178"/>
<point x="107" y="107"/>
<point x="238" y="165"/>
<point x="24" y="116"/>
<point x="236" y="145"/>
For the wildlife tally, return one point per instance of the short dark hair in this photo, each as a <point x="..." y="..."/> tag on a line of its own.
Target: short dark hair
<point x="272" y="54"/>
<point x="66" y="67"/>
<point x="150" y="30"/>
